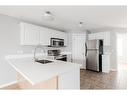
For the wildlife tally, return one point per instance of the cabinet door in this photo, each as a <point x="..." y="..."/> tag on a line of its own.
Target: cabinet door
<point x="54" y="34"/>
<point x="57" y="34"/>
<point x="45" y="35"/>
<point x="106" y="63"/>
<point x="29" y="34"/>
<point x="91" y="36"/>
<point x="78" y="50"/>
<point x="101" y="35"/>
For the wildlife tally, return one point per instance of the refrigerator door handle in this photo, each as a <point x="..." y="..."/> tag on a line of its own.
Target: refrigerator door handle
<point x="86" y="50"/>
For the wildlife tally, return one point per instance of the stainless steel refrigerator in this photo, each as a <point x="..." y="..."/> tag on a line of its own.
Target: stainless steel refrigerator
<point x="94" y="51"/>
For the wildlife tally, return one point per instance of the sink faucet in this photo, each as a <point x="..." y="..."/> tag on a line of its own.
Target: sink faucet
<point x="38" y="46"/>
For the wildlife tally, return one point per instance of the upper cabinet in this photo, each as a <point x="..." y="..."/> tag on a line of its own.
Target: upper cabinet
<point x="105" y="36"/>
<point x="29" y="34"/>
<point x="36" y="35"/>
<point x="45" y="35"/>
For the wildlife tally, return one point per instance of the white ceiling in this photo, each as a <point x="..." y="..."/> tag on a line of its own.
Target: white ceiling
<point x="68" y="17"/>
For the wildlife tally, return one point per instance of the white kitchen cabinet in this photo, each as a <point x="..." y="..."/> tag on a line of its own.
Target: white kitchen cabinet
<point x="29" y="34"/>
<point x="78" y="49"/>
<point x="106" y="63"/>
<point x="99" y="35"/>
<point x="33" y="35"/>
<point x="91" y="36"/>
<point x="94" y="36"/>
<point x="45" y="35"/>
<point x="69" y="80"/>
<point x="105" y="36"/>
<point x="55" y="34"/>
<point x="58" y="34"/>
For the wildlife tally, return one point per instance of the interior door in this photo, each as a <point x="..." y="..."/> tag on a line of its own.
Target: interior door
<point x="78" y="50"/>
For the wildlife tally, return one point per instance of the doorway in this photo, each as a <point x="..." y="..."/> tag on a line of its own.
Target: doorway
<point x="122" y="59"/>
<point x="122" y="51"/>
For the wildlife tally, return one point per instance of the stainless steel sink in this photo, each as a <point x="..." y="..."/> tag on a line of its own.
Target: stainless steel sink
<point x="44" y="61"/>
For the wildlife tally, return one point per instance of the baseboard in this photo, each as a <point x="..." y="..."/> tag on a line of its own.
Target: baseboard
<point x="8" y="84"/>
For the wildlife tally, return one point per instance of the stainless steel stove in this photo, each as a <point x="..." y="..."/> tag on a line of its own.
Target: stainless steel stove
<point x="56" y="55"/>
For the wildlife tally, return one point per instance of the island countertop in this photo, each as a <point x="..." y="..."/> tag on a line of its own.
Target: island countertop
<point x="35" y="72"/>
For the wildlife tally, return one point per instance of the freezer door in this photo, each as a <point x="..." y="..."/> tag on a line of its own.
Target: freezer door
<point x="92" y="60"/>
<point x="92" y="44"/>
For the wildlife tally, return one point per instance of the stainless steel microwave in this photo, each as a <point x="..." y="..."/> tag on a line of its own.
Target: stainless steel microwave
<point x="56" y="42"/>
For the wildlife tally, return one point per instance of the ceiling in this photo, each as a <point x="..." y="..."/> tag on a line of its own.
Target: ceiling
<point x="68" y="17"/>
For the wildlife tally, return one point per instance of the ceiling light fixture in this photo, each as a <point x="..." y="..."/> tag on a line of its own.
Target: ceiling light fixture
<point x="80" y="24"/>
<point x="48" y="16"/>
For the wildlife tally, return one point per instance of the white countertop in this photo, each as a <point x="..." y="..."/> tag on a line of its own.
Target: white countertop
<point x="36" y="72"/>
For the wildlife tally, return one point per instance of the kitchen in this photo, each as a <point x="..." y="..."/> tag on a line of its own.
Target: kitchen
<point x="34" y="47"/>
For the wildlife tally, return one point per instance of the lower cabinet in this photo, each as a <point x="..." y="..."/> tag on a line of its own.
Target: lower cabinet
<point x="106" y="63"/>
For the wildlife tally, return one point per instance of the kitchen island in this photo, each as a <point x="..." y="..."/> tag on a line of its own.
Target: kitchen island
<point x="54" y="75"/>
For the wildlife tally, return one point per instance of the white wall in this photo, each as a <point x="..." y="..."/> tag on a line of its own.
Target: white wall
<point x="119" y="45"/>
<point x="9" y="44"/>
<point x="122" y="46"/>
<point x="113" y="56"/>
